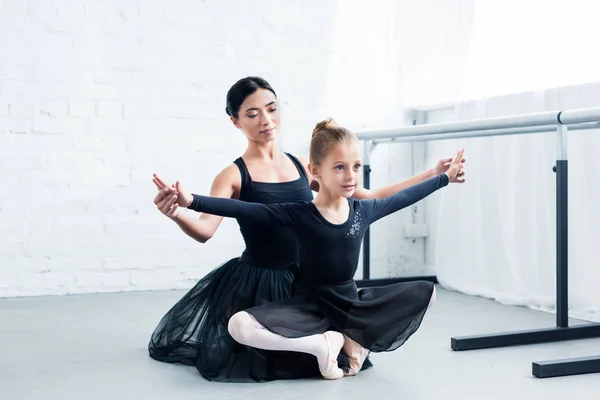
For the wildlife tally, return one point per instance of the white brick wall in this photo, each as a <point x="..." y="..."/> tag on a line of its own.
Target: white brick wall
<point x="95" y="96"/>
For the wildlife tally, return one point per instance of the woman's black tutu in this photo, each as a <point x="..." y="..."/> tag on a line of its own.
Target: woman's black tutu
<point x="194" y="330"/>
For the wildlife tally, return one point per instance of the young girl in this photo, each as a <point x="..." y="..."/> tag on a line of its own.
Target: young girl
<point x="327" y="313"/>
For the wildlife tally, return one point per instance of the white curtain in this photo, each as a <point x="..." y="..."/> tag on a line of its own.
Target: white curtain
<point x="495" y="236"/>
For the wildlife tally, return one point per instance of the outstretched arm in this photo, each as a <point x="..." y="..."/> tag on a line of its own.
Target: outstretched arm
<point x="362" y="193"/>
<point x="225" y="184"/>
<point x="379" y="208"/>
<point x="271" y="214"/>
<point x="386" y="191"/>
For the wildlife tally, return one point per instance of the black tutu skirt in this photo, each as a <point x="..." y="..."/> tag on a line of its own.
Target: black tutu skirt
<point x="194" y="331"/>
<point x="378" y="318"/>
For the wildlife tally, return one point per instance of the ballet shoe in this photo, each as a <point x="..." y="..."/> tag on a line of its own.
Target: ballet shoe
<point x="356" y="355"/>
<point x="331" y="370"/>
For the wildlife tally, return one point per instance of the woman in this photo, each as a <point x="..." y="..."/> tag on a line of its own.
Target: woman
<point x="194" y="331"/>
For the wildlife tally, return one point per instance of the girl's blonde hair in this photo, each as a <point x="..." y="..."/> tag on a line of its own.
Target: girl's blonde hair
<point x="326" y="134"/>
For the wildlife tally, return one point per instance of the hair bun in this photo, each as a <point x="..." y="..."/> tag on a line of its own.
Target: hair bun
<point x="325" y="124"/>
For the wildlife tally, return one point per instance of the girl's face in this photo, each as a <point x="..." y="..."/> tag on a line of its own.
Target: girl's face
<point x="259" y="116"/>
<point x="340" y="171"/>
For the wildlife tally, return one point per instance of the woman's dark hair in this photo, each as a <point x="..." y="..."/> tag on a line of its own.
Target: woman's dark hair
<point x="242" y="89"/>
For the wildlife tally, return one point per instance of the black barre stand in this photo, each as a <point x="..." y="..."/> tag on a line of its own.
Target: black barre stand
<point x="562" y="331"/>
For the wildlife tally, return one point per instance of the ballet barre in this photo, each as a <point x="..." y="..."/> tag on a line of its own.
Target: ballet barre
<point x="559" y="122"/>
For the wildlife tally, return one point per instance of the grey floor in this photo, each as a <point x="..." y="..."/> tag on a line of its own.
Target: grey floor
<point x="94" y="347"/>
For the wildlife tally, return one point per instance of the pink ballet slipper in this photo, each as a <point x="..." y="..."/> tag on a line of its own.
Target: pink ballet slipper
<point x="356" y="355"/>
<point x="331" y="370"/>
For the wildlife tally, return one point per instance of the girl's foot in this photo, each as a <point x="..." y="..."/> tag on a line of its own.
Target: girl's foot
<point x="356" y="355"/>
<point x="328" y="362"/>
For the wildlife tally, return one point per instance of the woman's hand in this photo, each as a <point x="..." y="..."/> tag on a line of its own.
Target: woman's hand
<point x="454" y="168"/>
<point x="170" y="198"/>
<point x="444" y="164"/>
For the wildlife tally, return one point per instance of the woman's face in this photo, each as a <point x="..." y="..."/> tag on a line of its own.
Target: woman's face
<point x="258" y="116"/>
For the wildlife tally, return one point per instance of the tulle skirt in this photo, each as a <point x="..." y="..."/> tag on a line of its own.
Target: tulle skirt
<point x="194" y="331"/>
<point x="378" y="318"/>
